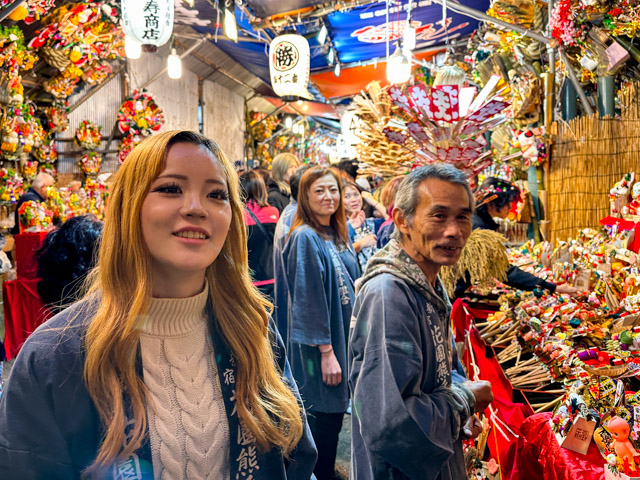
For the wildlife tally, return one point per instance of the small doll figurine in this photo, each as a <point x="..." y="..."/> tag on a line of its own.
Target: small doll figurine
<point x="619" y="429"/>
<point x="634" y="206"/>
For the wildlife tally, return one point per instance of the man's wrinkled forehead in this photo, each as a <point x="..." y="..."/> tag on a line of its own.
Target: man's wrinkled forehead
<point x="436" y="194"/>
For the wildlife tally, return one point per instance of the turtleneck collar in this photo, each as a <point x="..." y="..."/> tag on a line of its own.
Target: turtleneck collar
<point x="170" y="317"/>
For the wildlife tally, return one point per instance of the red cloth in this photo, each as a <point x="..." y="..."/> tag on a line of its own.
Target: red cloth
<point x="512" y="414"/>
<point x="26" y="246"/>
<point x="540" y="456"/>
<point x="23" y="310"/>
<point x="23" y="313"/>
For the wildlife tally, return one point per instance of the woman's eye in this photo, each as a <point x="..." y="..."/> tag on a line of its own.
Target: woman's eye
<point x="168" y="189"/>
<point x="219" y="195"/>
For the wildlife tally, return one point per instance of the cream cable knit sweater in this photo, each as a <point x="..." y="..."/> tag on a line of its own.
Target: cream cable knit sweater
<point x="188" y="429"/>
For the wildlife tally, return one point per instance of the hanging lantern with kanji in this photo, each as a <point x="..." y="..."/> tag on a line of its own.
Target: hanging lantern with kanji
<point x="289" y="63"/>
<point x="148" y="22"/>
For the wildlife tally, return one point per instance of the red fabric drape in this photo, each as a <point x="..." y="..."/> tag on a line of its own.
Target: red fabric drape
<point x="23" y="313"/>
<point x="23" y="310"/>
<point x="502" y="447"/>
<point x="540" y="456"/>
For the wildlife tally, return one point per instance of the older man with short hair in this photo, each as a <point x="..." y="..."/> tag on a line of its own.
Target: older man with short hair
<point x="411" y="401"/>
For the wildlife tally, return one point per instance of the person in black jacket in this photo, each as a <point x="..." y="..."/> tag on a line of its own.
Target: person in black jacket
<point x="37" y="193"/>
<point x="261" y="220"/>
<point x="279" y="192"/>
<point x="494" y="199"/>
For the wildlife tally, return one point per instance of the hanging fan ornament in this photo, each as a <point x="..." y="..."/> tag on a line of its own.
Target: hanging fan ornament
<point x="445" y="123"/>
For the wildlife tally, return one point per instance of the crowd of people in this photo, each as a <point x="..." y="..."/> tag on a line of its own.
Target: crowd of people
<point x="169" y="364"/>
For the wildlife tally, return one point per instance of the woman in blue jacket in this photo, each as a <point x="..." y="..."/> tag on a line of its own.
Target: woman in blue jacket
<point x="169" y="367"/>
<point x="320" y="267"/>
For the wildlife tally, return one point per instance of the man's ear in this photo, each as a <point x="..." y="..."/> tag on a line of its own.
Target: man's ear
<point x="400" y="220"/>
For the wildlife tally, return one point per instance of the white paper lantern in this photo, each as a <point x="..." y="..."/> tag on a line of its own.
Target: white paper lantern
<point x="289" y="63"/>
<point x="148" y="22"/>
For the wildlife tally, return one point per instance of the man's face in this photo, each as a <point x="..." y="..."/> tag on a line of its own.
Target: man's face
<point x="440" y="227"/>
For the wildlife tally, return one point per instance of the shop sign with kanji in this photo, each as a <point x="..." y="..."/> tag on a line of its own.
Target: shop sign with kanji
<point x="148" y="22"/>
<point x="289" y="62"/>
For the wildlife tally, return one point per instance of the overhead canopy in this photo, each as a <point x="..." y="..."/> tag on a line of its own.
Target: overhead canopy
<point x="358" y="35"/>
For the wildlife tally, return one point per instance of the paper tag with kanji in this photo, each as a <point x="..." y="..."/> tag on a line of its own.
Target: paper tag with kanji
<point x="400" y="99"/>
<point x="441" y="105"/>
<point x="488" y="110"/>
<point x="421" y="98"/>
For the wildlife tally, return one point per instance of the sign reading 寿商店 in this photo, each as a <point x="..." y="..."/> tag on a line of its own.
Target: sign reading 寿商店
<point x="148" y="22"/>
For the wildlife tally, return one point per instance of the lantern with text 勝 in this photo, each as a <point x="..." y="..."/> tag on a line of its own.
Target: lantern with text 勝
<point x="148" y="22"/>
<point x="289" y="62"/>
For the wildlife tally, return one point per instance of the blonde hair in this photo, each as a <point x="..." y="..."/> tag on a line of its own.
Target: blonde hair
<point x="122" y="281"/>
<point x="281" y="163"/>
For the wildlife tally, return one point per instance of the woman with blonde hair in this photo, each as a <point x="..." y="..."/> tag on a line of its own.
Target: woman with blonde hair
<point x="170" y="366"/>
<point x="278" y="189"/>
<point x="320" y="268"/>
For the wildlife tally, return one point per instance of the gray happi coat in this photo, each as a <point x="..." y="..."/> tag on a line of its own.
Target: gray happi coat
<point x="409" y="403"/>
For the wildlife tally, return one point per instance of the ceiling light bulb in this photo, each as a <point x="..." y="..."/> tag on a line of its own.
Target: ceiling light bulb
<point x="398" y="68"/>
<point x="322" y="35"/>
<point x="174" y="65"/>
<point x="288" y="122"/>
<point x="132" y="49"/>
<point x="336" y="70"/>
<point x="230" y="26"/>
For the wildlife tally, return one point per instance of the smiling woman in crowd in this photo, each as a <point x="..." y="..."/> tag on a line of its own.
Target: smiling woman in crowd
<point x="170" y="366"/>
<point x="320" y="267"/>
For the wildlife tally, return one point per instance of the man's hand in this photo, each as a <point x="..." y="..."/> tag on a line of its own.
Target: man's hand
<point x="568" y="289"/>
<point x="331" y="371"/>
<point x="472" y="428"/>
<point x="482" y="391"/>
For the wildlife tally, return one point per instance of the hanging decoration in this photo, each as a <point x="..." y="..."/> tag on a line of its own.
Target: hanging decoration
<point x="139" y="117"/>
<point x="88" y="135"/>
<point x="289" y="63"/>
<point x="58" y="116"/>
<point x="15" y="58"/>
<point x="11" y="185"/>
<point x="90" y="163"/>
<point x="445" y="123"/>
<point x="149" y="22"/>
<point x="79" y="39"/>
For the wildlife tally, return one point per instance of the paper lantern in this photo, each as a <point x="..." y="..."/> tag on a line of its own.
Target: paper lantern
<point x="148" y="22"/>
<point x="289" y="62"/>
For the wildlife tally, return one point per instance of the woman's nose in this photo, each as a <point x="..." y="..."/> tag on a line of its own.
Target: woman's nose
<point x="193" y="206"/>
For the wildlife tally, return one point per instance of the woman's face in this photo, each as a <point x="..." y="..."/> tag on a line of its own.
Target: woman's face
<point x="352" y="200"/>
<point x="185" y="217"/>
<point x="324" y="198"/>
<point x="290" y="171"/>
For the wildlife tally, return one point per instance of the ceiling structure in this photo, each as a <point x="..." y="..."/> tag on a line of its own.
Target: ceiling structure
<point x="356" y="32"/>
